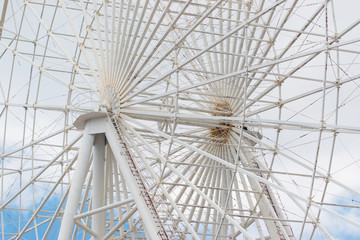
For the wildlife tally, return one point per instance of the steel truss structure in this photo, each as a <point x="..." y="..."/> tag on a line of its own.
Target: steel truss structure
<point x="179" y="119"/>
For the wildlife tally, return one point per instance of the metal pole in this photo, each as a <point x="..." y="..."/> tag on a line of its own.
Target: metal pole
<point x="2" y="20"/>
<point x="149" y="223"/>
<point x="76" y="185"/>
<point x="99" y="219"/>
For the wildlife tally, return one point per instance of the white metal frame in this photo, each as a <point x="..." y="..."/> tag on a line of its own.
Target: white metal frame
<point x="199" y="119"/>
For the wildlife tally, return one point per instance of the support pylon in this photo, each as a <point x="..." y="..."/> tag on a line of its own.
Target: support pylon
<point x="98" y="128"/>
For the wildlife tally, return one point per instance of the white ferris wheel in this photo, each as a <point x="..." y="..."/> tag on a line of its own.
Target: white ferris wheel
<point x="179" y="119"/>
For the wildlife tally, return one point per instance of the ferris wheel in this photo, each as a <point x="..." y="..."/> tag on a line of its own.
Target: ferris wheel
<point x="179" y="119"/>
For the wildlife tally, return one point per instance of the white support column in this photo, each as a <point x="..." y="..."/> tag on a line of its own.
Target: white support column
<point x="268" y="204"/>
<point x="98" y="191"/>
<point x="149" y="223"/>
<point x="77" y="181"/>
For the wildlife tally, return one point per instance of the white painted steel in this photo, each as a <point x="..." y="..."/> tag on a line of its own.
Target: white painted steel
<point x="200" y="119"/>
<point x="151" y="227"/>
<point x="99" y="219"/>
<point x="81" y="170"/>
<point x="104" y="208"/>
